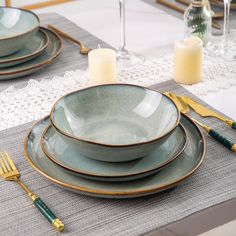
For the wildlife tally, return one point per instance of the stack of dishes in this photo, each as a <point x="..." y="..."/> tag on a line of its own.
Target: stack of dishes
<point x="115" y="141"/>
<point x="25" y="47"/>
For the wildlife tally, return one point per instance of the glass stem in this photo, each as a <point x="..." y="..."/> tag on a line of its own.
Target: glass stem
<point x="122" y="49"/>
<point x="226" y="23"/>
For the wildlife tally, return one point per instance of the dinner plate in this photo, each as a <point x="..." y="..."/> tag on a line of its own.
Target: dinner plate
<point x="33" y="49"/>
<point x="69" y="157"/>
<point x="49" y="55"/>
<point x="173" y="174"/>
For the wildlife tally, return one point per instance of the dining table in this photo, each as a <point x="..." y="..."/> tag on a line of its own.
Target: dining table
<point x="205" y="204"/>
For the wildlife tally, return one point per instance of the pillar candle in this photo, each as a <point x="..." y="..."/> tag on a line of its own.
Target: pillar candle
<point x="188" y="61"/>
<point x="102" y="66"/>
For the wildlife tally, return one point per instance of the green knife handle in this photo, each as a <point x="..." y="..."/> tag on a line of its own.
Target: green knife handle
<point x="48" y="214"/>
<point x="222" y="140"/>
<point x="231" y="123"/>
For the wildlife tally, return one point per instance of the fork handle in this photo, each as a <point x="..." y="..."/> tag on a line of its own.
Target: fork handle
<point x="47" y="213"/>
<point x="42" y="207"/>
<point x="65" y="35"/>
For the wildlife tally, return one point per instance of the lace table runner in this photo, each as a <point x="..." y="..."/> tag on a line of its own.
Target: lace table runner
<point x="34" y="101"/>
<point x="38" y="92"/>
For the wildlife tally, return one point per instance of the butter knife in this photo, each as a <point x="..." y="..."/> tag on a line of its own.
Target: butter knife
<point x="205" y="112"/>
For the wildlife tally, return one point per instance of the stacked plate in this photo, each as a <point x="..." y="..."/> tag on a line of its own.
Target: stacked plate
<point x="25" y="47"/>
<point x="115" y="141"/>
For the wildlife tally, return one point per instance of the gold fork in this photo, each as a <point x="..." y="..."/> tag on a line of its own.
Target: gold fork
<point x="9" y="172"/>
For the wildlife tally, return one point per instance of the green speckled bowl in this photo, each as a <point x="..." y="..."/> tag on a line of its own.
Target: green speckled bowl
<point x="17" y="26"/>
<point x="115" y="123"/>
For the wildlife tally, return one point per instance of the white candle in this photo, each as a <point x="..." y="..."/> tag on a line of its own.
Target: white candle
<point x="102" y="66"/>
<point x="188" y="61"/>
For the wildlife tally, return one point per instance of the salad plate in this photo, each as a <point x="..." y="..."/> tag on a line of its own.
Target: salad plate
<point x="70" y="158"/>
<point x="33" y="48"/>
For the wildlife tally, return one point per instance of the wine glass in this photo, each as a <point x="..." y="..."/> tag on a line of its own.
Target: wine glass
<point x="125" y="58"/>
<point x="225" y="48"/>
<point x="227" y="44"/>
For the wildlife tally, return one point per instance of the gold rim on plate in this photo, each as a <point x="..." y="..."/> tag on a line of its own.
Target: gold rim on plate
<point x="52" y="158"/>
<point x="118" y="193"/>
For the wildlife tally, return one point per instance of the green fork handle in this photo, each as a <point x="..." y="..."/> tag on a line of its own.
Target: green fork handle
<point x="41" y="206"/>
<point x="46" y="212"/>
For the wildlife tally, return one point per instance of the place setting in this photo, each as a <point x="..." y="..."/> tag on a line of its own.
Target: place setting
<point x="109" y="137"/>
<point x="27" y="46"/>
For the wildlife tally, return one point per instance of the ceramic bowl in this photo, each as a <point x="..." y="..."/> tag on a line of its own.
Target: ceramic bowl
<point x="17" y="26"/>
<point x="116" y="122"/>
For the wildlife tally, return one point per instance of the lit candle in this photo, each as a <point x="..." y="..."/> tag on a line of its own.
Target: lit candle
<point x="188" y="61"/>
<point x="102" y="66"/>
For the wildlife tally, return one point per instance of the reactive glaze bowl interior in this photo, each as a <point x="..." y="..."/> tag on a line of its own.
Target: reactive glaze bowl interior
<point x="116" y="114"/>
<point x="16" y="28"/>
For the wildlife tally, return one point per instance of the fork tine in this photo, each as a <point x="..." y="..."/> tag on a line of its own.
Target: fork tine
<point x="10" y="161"/>
<point x="5" y="162"/>
<point x="3" y="165"/>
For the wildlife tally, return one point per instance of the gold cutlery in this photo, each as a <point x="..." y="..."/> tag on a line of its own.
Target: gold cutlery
<point x="84" y="50"/>
<point x="9" y="172"/>
<point x="183" y="107"/>
<point x="205" y="112"/>
<point x="181" y="10"/>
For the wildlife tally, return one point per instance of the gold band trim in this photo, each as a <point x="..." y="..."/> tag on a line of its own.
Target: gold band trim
<point x="229" y="122"/>
<point x="32" y="196"/>
<point x="233" y="148"/>
<point x="58" y="225"/>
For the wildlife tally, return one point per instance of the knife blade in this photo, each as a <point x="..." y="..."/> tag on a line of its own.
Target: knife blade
<point x="205" y="112"/>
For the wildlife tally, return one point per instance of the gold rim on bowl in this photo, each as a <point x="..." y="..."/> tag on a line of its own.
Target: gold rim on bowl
<point x="112" y="145"/>
<point x="19" y="35"/>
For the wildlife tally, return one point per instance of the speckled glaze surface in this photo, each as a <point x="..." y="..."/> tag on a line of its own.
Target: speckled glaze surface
<point x="70" y="158"/>
<point x="173" y="174"/>
<point x="51" y="52"/>
<point x="116" y="122"/>
<point x="17" y="26"/>
<point x="32" y="49"/>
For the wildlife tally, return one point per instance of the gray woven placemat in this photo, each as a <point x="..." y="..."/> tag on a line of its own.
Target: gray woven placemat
<point x="213" y="183"/>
